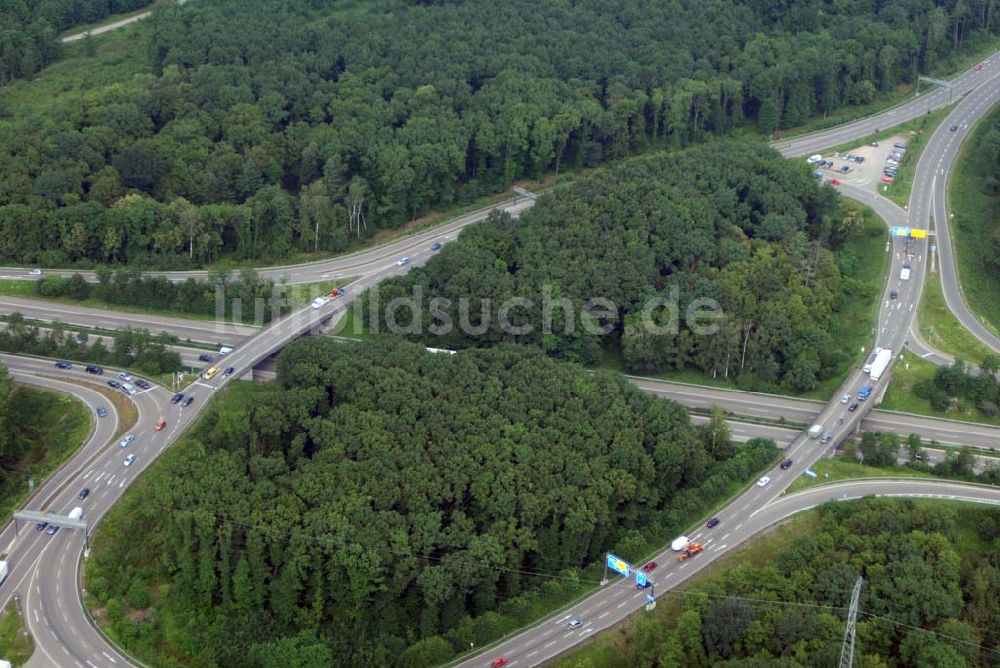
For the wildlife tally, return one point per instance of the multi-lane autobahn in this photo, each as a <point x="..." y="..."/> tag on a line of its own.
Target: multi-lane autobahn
<point x="44" y="571"/>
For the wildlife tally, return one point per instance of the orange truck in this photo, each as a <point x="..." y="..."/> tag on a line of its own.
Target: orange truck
<point x="690" y="550"/>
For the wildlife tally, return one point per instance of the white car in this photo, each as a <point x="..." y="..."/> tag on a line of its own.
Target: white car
<point x="128" y="460"/>
<point x="846" y="398"/>
<point x="319" y="301"/>
<point x="763" y="481"/>
<point x="402" y="261"/>
<point x="35" y="272"/>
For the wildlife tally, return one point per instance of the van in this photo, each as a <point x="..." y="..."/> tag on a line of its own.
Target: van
<point x="225" y="349"/>
<point x="679" y="543"/>
<point x="76" y="513"/>
<point x="129" y="389"/>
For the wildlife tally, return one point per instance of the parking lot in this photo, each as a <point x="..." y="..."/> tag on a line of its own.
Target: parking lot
<point x="862" y="166"/>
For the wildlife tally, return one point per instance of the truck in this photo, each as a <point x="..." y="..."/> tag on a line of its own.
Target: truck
<point x="871" y="360"/>
<point x="3" y="571"/>
<point x="225" y="349"/>
<point x="680" y="543"/>
<point x="690" y="550"/>
<point x="865" y="392"/>
<point x="904" y="274"/>
<point x="76" y="513"/>
<point x="881" y="364"/>
<point x="815" y="430"/>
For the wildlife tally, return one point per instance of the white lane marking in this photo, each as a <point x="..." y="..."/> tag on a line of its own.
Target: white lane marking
<point x="603" y="615"/>
<point x="90" y="664"/>
<point x="531" y="654"/>
<point x="622" y="603"/>
<point x="550" y="644"/>
<point x="110" y="658"/>
<point x="560" y="621"/>
<point x="738" y="527"/>
<point x="722" y="547"/>
<point x="36" y="615"/>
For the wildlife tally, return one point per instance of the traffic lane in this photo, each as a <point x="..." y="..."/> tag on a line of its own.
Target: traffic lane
<point x="613" y="603"/>
<point x="218" y="330"/>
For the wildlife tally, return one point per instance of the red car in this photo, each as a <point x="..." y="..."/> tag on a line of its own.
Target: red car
<point x="887" y="179"/>
<point x="498" y="662"/>
<point x="649" y="567"/>
<point x="834" y="182"/>
<point x="161" y="424"/>
<point x="979" y="66"/>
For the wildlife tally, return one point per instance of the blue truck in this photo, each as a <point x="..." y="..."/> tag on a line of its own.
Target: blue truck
<point x="865" y="392"/>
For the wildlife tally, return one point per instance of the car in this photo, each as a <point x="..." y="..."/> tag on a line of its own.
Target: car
<point x="143" y="384"/>
<point x="498" y="662"/>
<point x="953" y="128"/>
<point x="574" y="624"/>
<point x="853" y="407"/>
<point x="124" y="376"/>
<point x="834" y="182"/>
<point x="887" y="179"/>
<point x="128" y="460"/>
<point x="978" y="66"/>
<point x="763" y="481"/>
<point x="644" y="585"/>
<point x="826" y="438"/>
<point x="63" y="364"/>
<point x="889" y="171"/>
<point x="899" y="145"/>
<point x="205" y="358"/>
<point x="844" y="399"/>
<point x="176" y="398"/>
<point x="874" y="143"/>
<point x="127" y="441"/>
<point x="161" y="423"/>
<point x="84" y="493"/>
<point x="114" y="383"/>
<point x="892" y="163"/>
<point x="229" y="371"/>
<point x="35" y="272"/>
<point x="41" y="525"/>
<point x="787" y="464"/>
<point x="187" y="401"/>
<point x="859" y="159"/>
<point x="894" y="294"/>
<point x="52" y="530"/>
<point x="210" y="374"/>
<point x="316" y="303"/>
<point x="712" y="523"/>
<point x="101" y="411"/>
<point x="436" y="246"/>
<point x="94" y="369"/>
<point x="845" y="169"/>
<point x="402" y="261"/>
<point x="650" y="567"/>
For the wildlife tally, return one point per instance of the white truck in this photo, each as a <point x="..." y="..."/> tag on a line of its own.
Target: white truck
<point x="3" y="571"/>
<point x="904" y="274"/>
<point x="815" y="430"/>
<point x="871" y="360"/>
<point x="880" y="364"/>
<point x="76" y="513"/>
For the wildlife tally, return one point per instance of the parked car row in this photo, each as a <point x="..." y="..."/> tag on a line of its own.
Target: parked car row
<point x="891" y="168"/>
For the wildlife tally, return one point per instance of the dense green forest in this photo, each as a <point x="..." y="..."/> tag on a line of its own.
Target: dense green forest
<point x="266" y="127"/>
<point x="376" y="495"/>
<point x="982" y="389"/>
<point x="729" y="222"/>
<point x="131" y="348"/>
<point x="241" y="296"/>
<point x="29" y="29"/>
<point x="931" y="596"/>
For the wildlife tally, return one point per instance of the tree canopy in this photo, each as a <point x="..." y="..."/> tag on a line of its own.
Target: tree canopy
<point x="265" y="127"/>
<point x="728" y="222"/>
<point x="377" y="495"/>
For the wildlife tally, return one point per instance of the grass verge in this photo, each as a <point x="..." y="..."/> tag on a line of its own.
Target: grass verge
<point x="50" y="428"/>
<point x="832" y="470"/>
<point x="16" y="644"/>
<point x="939" y="327"/>
<point x="901" y="395"/>
<point x="976" y="219"/>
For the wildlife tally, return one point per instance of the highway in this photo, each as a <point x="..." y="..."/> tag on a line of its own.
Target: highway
<point x="929" y="198"/>
<point x="43" y="568"/>
<point x="748" y="516"/>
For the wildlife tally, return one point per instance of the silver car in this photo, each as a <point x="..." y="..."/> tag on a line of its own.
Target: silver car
<point x="574" y="624"/>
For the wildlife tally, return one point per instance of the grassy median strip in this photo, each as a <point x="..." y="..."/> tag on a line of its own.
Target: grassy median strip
<point x="48" y="427"/>
<point x="902" y="394"/>
<point x="16" y="644"/>
<point x="939" y="327"/>
<point x="976" y="221"/>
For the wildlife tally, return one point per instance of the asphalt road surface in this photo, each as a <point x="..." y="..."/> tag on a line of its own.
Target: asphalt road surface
<point x="748" y="516"/>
